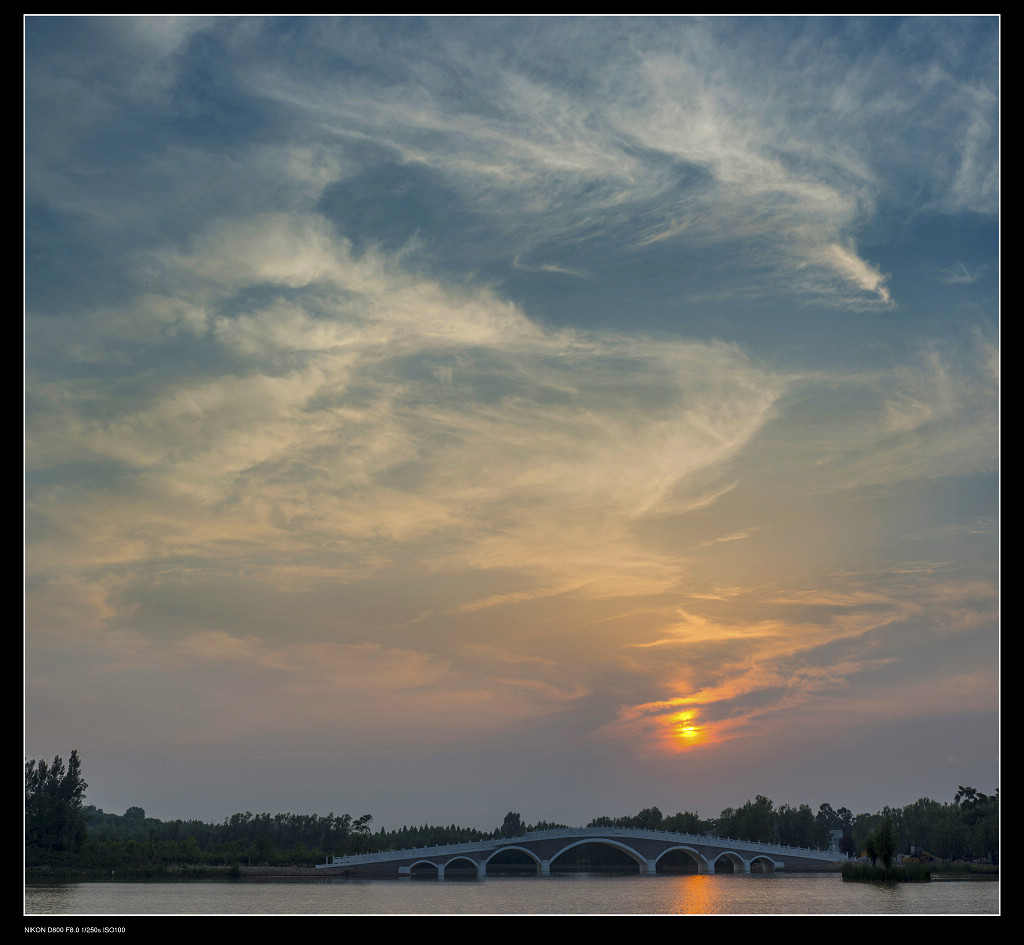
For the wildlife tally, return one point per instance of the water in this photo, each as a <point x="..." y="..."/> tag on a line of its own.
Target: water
<point x="579" y="894"/>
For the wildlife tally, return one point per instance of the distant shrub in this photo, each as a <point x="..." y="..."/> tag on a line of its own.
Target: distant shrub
<point x="863" y="873"/>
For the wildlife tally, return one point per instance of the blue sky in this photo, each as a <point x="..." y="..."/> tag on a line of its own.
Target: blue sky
<point x="440" y="416"/>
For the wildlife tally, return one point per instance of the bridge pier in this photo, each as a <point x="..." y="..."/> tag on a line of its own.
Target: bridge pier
<point x="650" y="868"/>
<point x="545" y="868"/>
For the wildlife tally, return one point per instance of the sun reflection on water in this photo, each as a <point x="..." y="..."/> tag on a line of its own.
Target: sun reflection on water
<point x="696" y="895"/>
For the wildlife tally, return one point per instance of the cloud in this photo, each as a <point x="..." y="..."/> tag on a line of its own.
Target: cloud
<point x="836" y="649"/>
<point x="847" y="263"/>
<point x="668" y="141"/>
<point x="362" y="418"/>
<point x="957" y="274"/>
<point x="659" y="144"/>
<point x="384" y="407"/>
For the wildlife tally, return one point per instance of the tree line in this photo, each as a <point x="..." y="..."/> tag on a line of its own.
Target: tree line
<point x="61" y="832"/>
<point x="967" y="827"/>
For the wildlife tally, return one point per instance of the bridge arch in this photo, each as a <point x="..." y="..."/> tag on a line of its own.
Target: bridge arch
<point x="701" y="861"/>
<point x="736" y="863"/>
<point x="461" y="863"/>
<point x="416" y="868"/>
<point x="639" y="858"/>
<point x="427" y="867"/>
<point x="514" y="847"/>
<point x="760" y="862"/>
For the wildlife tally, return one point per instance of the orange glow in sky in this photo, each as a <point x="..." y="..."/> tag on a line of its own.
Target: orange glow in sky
<point x="686" y="732"/>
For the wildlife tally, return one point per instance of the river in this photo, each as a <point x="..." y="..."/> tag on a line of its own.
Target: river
<point x="566" y="894"/>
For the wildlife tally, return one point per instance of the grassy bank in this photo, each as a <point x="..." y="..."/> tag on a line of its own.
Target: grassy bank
<point x="910" y="873"/>
<point x="970" y="869"/>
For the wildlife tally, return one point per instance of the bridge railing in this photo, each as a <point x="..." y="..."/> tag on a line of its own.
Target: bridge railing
<point x="480" y="846"/>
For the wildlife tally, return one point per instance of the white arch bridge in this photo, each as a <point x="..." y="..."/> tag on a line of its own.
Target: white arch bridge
<point x="544" y="847"/>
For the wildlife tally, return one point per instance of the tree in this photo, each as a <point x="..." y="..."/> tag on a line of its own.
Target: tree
<point x="920" y="821"/>
<point x="756" y="821"/>
<point x="885" y="842"/>
<point x="54" y="819"/>
<point x="360" y="834"/>
<point x="864" y="826"/>
<point x="684" y="822"/>
<point x="649" y="818"/>
<point x="846" y="845"/>
<point x="797" y="826"/>
<point x="949" y="837"/>
<point x="725" y="825"/>
<point x="968" y="795"/>
<point x="512" y="825"/>
<point x="827" y="819"/>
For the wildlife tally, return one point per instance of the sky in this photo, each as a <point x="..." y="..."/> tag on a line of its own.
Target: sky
<point x="433" y="417"/>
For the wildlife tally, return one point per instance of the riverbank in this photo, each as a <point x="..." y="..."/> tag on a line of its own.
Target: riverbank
<point x="191" y="874"/>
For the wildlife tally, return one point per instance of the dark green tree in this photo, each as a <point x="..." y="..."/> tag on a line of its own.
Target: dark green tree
<point x="885" y="842"/>
<point x="755" y="820"/>
<point x="361" y="834"/>
<point x="650" y="818"/>
<point x="54" y="820"/>
<point x="725" y="825"/>
<point x="967" y="795"/>
<point x="684" y="822"/>
<point x="919" y="825"/>
<point x="871" y="848"/>
<point x="950" y="835"/>
<point x="512" y="825"/>
<point x="845" y="816"/>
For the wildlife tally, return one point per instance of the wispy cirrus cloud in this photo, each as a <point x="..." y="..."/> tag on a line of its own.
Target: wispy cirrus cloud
<point x="375" y="407"/>
<point x="957" y="274"/>
<point x="726" y="162"/>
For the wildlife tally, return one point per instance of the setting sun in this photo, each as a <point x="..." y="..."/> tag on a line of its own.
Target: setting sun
<point x="684" y="729"/>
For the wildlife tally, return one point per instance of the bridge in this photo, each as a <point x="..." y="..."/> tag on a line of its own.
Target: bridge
<point x="544" y="847"/>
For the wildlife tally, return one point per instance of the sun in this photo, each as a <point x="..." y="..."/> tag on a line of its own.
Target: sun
<point x="684" y="728"/>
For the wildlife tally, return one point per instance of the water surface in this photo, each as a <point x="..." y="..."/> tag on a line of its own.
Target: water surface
<point x="579" y="894"/>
